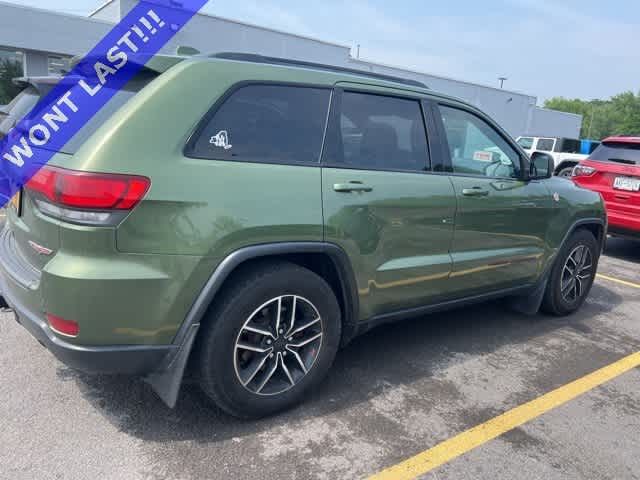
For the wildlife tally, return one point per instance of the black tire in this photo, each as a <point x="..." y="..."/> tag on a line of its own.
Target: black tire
<point x="221" y="358"/>
<point x="555" y="301"/>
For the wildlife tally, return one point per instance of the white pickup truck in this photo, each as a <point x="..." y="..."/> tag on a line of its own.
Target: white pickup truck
<point x="565" y="151"/>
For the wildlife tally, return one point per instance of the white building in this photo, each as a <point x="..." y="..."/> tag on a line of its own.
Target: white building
<point x="45" y="41"/>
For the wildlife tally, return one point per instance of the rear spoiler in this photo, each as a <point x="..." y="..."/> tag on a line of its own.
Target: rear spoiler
<point x="158" y="64"/>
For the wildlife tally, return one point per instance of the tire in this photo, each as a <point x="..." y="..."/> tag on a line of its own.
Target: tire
<point x="565" y="292"/>
<point x="252" y="382"/>
<point x="565" y="172"/>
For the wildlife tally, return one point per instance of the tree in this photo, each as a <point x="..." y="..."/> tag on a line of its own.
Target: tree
<point x="620" y="115"/>
<point x="9" y="69"/>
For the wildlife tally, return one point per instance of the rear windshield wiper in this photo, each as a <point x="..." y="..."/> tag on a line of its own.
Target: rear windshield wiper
<point x="622" y="160"/>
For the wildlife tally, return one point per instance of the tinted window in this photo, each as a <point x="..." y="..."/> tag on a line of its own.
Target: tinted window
<point x="476" y="148"/>
<point x="545" y="144"/>
<point x="526" y="142"/>
<point x="378" y="132"/>
<point x="569" y="145"/>
<point x="617" y="152"/>
<point x="271" y="123"/>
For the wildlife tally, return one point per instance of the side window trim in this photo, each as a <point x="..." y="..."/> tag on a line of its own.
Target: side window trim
<point x="439" y="153"/>
<point x="189" y="150"/>
<point x="488" y="121"/>
<point x="333" y="126"/>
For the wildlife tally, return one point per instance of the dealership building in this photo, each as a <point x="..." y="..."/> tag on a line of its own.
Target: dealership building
<point x="44" y="41"/>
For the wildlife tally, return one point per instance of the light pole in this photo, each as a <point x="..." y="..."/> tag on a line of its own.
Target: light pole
<point x="502" y="79"/>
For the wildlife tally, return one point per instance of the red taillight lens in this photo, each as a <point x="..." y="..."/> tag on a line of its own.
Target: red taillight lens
<point x="65" y="327"/>
<point x="583" y="171"/>
<point x="88" y="191"/>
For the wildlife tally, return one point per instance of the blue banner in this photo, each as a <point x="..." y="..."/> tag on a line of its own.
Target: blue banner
<point x="88" y="87"/>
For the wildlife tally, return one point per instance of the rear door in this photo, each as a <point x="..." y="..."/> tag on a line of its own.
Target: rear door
<point x="501" y="221"/>
<point x="381" y="203"/>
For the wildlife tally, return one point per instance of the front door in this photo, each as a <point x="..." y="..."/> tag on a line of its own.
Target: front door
<point x="501" y="221"/>
<point x="382" y="205"/>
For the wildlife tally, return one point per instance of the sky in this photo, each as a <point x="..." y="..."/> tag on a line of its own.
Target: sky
<point x="572" y="48"/>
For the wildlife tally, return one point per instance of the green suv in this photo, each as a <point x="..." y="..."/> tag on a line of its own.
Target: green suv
<point x="245" y="217"/>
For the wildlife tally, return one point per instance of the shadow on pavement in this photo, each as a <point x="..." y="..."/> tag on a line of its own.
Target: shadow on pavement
<point x="396" y="354"/>
<point x="623" y="249"/>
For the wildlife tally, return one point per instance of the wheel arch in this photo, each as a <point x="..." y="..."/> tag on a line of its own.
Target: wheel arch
<point x="327" y="260"/>
<point x="596" y="226"/>
<point x="564" y="164"/>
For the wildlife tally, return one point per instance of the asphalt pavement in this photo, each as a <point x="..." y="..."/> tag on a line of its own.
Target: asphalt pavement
<point x="394" y="392"/>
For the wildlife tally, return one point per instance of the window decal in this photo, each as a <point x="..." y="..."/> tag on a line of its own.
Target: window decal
<point x="221" y="140"/>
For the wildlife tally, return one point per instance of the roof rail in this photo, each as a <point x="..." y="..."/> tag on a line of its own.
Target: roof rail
<point x="255" y="58"/>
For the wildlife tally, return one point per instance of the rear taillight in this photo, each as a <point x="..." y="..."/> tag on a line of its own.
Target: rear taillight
<point x="84" y="197"/>
<point x="582" y="171"/>
<point x="68" y="328"/>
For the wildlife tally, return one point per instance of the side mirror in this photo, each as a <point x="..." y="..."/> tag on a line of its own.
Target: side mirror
<point x="541" y="166"/>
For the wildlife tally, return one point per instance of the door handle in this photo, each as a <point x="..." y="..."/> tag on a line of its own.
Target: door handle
<point x="475" y="192"/>
<point x="351" y="187"/>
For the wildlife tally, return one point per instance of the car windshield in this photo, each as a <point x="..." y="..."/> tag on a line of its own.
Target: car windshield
<point x="619" y="152"/>
<point x="526" y="142"/>
<point x="24" y="102"/>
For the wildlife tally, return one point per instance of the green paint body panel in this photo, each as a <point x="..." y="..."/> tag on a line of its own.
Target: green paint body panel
<point x="413" y="240"/>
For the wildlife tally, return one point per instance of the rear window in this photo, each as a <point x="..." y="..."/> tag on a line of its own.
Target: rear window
<point x="22" y="104"/>
<point x="266" y="123"/>
<point x="628" y="153"/>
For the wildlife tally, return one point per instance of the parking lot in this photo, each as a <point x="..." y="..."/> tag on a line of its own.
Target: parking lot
<point x="393" y="393"/>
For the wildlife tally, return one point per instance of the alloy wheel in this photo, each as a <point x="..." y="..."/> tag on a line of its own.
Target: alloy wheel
<point x="278" y="345"/>
<point x="577" y="271"/>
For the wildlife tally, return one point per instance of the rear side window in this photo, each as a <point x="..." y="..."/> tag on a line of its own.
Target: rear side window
<point x="569" y="145"/>
<point x="378" y="132"/>
<point x="628" y="153"/>
<point x="545" y="144"/>
<point x="266" y="123"/>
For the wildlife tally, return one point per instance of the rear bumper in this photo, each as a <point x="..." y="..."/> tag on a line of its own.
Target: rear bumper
<point x="128" y="360"/>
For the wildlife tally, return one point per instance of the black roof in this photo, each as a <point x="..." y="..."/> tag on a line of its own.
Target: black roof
<point x="250" y="57"/>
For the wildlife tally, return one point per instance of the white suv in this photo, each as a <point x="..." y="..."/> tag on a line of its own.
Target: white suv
<point x="565" y="151"/>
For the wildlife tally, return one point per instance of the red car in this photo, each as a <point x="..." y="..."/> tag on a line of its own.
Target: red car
<point x="613" y="170"/>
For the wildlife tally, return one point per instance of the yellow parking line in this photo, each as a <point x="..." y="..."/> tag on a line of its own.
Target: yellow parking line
<point x="622" y="282"/>
<point x="460" y="444"/>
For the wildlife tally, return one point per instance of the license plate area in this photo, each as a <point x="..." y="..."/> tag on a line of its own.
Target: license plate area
<point x="628" y="184"/>
<point x="16" y="202"/>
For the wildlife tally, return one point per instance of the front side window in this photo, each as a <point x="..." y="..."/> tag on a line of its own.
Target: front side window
<point x="476" y="148"/>
<point x="526" y="142"/>
<point x="267" y="123"/>
<point x="378" y="132"/>
<point x="545" y="144"/>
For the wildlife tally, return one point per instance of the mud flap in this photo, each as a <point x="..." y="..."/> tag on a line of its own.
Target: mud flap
<point x="167" y="381"/>
<point x="530" y="304"/>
